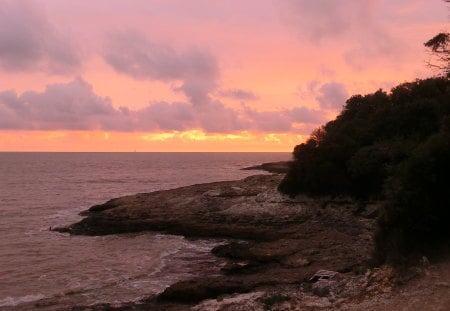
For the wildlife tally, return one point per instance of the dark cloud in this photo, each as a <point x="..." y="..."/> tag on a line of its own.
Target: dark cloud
<point x="74" y="106"/>
<point x="28" y="41"/>
<point x="131" y="53"/>
<point x="239" y="94"/>
<point x="197" y="90"/>
<point x="332" y="96"/>
<point x="62" y="106"/>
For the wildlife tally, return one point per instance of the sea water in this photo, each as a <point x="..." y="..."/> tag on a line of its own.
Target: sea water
<point x="54" y="271"/>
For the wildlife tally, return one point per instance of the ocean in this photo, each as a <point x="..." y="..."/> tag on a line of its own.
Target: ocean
<point x="55" y="271"/>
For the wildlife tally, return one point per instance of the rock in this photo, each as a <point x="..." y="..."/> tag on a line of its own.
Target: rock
<point x="281" y="167"/>
<point x="424" y="261"/>
<point x="295" y="261"/>
<point x="236" y="302"/>
<point x="324" y="282"/>
<point x="323" y="275"/>
<point x="323" y="288"/>
<point x="277" y="240"/>
<point x="235" y="267"/>
<point x="274" y="196"/>
<point x="371" y="211"/>
<point x="443" y="284"/>
<point x="192" y="291"/>
<point x="314" y="304"/>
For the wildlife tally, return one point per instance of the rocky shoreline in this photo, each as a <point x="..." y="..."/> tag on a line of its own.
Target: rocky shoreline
<point x="280" y="167"/>
<point x="277" y="245"/>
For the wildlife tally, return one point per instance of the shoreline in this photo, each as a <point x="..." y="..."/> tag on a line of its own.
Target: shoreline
<point x="276" y="245"/>
<point x="285" y="240"/>
<point x="280" y="167"/>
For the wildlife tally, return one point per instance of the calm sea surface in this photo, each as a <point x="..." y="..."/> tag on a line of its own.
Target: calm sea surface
<point x="42" y="190"/>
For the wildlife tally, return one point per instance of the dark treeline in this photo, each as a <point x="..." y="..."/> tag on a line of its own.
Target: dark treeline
<point x="387" y="146"/>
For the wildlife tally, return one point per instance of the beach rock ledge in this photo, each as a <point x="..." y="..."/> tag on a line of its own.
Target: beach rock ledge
<point x="274" y="240"/>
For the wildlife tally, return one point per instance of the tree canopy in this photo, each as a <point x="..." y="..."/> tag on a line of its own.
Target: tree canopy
<point x="388" y="146"/>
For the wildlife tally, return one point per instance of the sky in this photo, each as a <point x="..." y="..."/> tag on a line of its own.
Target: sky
<point x="198" y="75"/>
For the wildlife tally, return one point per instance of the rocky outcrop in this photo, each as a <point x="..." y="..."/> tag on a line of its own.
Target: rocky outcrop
<point x="281" y="167"/>
<point x="246" y="209"/>
<point x="276" y="240"/>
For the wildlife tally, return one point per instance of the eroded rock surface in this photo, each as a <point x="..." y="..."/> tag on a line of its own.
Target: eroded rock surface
<point x="276" y="240"/>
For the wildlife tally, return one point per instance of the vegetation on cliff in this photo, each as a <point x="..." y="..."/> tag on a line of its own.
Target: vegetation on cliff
<point x="392" y="146"/>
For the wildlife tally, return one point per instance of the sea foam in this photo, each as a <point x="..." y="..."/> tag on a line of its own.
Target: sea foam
<point x="15" y="301"/>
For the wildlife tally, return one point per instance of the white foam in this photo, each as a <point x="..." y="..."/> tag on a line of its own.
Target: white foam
<point x="15" y="301"/>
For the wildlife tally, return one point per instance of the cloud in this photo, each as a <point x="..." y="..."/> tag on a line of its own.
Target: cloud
<point x="131" y="53"/>
<point x="327" y="19"/>
<point x="166" y="116"/>
<point x="332" y="96"/>
<point x="239" y="94"/>
<point x="74" y="106"/>
<point x="283" y="120"/>
<point x="271" y="121"/>
<point x="306" y="115"/>
<point x="352" y="28"/>
<point x="28" y="41"/>
<point x="61" y="106"/>
<point x="217" y="118"/>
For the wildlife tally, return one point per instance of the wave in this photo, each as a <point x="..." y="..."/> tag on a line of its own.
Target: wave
<point x="15" y="301"/>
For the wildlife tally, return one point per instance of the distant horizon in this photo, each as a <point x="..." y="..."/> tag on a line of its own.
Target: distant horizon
<point x="145" y="151"/>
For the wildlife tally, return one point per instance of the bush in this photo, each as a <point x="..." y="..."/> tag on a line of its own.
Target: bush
<point x="417" y="211"/>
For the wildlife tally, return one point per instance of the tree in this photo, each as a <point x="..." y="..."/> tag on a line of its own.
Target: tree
<point x="440" y="50"/>
<point x="439" y="46"/>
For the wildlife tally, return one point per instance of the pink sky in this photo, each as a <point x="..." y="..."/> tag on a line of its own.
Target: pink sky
<point x="198" y="75"/>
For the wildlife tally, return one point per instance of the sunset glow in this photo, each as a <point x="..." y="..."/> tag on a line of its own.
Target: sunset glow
<point x="176" y="75"/>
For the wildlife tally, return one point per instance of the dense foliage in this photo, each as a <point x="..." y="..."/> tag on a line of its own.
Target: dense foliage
<point x="393" y="146"/>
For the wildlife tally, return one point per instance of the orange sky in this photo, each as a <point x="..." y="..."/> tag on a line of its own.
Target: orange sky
<point x="175" y="75"/>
